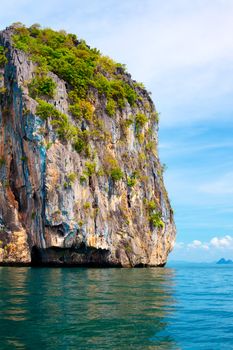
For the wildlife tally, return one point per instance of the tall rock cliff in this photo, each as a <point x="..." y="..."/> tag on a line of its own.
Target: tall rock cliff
<point x="80" y="178"/>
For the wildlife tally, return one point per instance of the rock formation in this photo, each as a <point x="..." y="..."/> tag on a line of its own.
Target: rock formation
<point x="223" y="261"/>
<point x="80" y="178"/>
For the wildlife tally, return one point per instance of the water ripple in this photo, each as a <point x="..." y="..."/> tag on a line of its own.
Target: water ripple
<point x="170" y="308"/>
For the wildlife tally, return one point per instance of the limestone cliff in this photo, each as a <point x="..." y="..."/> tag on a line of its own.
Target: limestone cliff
<point x="80" y="178"/>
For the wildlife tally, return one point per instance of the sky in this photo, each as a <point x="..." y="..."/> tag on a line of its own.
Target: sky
<point x="183" y="52"/>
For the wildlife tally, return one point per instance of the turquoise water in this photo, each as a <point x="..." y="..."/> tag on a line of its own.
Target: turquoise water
<point x="179" y="307"/>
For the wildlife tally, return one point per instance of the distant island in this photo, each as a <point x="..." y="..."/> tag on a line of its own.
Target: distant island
<point x="224" y="262"/>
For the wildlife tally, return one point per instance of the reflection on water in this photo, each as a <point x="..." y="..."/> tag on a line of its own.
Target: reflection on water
<point x="86" y="308"/>
<point x="189" y="307"/>
<point x="13" y="295"/>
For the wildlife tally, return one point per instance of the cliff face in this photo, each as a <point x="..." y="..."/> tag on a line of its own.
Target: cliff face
<point x="80" y="178"/>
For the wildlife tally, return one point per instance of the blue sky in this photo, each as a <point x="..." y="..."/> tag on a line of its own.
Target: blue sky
<point x="183" y="52"/>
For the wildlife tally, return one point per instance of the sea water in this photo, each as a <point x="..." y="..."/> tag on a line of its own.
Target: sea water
<point x="177" y="307"/>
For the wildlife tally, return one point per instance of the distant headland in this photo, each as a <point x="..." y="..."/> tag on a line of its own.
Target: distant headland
<point x="223" y="261"/>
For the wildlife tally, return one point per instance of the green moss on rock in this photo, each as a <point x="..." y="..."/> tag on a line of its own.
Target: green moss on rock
<point x="3" y="59"/>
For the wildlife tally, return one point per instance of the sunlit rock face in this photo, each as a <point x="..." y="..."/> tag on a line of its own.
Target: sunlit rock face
<point x="102" y="206"/>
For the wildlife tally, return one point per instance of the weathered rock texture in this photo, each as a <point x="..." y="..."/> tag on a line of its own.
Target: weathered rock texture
<point x="44" y="217"/>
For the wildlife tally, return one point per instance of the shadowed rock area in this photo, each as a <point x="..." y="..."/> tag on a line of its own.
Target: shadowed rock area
<point x="80" y="178"/>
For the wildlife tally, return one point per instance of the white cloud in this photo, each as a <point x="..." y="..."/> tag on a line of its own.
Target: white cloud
<point x="195" y="244"/>
<point x="162" y="39"/>
<point x="215" y="243"/>
<point x="179" y="245"/>
<point x="222" y="242"/>
<point x="185" y="147"/>
<point x="182" y="50"/>
<point x="198" y="244"/>
<point x="222" y="186"/>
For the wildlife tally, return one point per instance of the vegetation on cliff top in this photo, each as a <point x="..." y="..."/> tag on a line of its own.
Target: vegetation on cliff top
<point x="86" y="72"/>
<point x="79" y="65"/>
